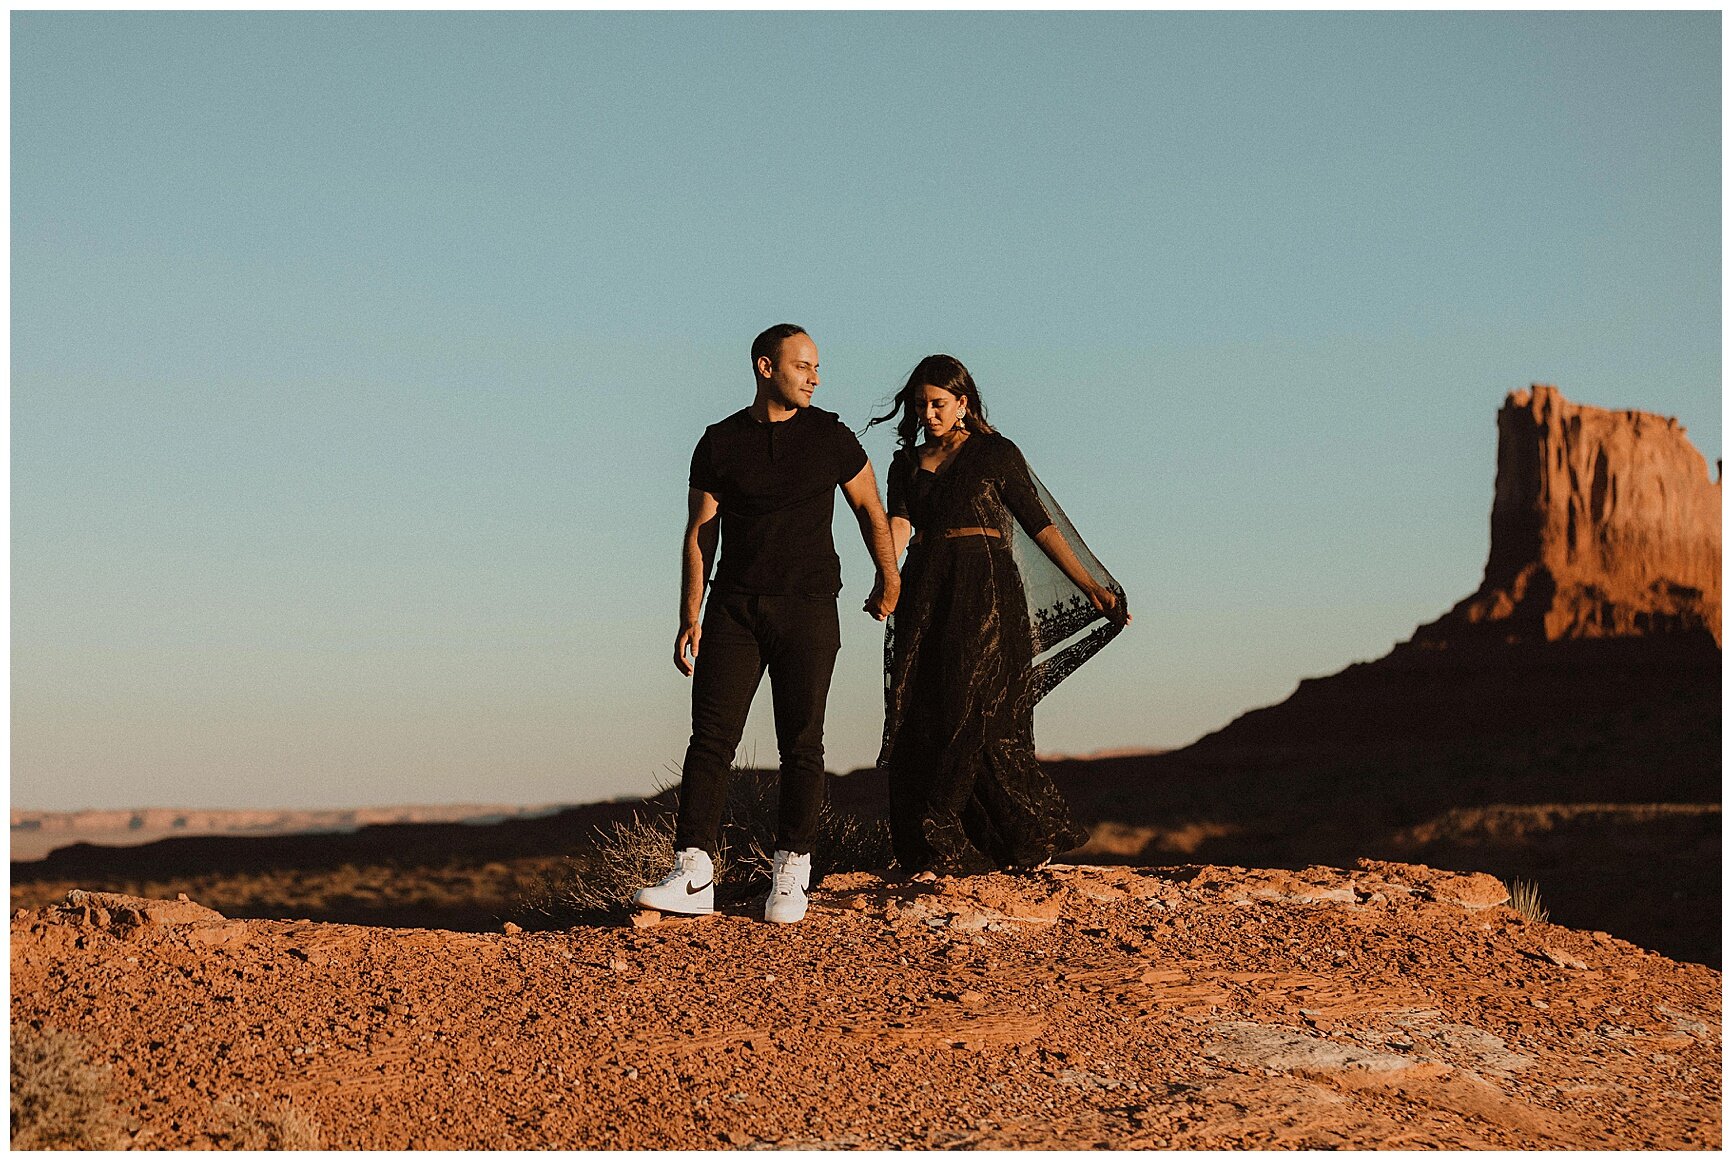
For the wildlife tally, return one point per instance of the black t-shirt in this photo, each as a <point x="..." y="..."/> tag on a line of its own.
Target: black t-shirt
<point x="776" y="483"/>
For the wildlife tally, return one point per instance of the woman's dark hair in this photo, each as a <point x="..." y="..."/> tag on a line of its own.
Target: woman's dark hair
<point x="947" y="374"/>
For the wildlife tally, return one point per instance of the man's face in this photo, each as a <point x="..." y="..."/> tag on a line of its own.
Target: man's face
<point x="793" y="373"/>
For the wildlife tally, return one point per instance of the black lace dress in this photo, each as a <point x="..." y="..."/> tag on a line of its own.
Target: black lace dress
<point x="984" y="628"/>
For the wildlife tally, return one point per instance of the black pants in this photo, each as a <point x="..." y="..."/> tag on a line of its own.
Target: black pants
<point x="796" y="640"/>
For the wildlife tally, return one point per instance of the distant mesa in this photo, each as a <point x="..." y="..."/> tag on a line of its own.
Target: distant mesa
<point x="1561" y="724"/>
<point x="36" y="832"/>
<point x="1604" y="524"/>
<point x="1601" y="595"/>
<point x="1097" y="755"/>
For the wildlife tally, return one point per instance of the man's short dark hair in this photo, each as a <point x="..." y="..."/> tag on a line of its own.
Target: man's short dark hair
<point x="768" y="343"/>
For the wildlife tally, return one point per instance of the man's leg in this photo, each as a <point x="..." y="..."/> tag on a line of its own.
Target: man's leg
<point x="727" y="673"/>
<point x="801" y="641"/>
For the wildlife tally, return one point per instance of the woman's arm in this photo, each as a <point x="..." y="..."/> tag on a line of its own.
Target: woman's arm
<point x="896" y="503"/>
<point x="1016" y="486"/>
<point x="1053" y="543"/>
<point x="901" y="532"/>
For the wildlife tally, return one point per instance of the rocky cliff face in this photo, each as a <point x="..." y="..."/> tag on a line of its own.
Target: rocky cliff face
<point x="1567" y="714"/>
<point x="1604" y="524"/>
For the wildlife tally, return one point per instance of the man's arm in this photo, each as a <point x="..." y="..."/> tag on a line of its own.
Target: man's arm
<point x="702" y="528"/>
<point x="862" y="493"/>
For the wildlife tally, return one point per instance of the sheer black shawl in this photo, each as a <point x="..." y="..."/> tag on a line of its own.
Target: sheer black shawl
<point x="988" y="484"/>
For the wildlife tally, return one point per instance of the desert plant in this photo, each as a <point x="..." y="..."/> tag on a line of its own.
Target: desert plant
<point x="621" y="857"/>
<point x="616" y="860"/>
<point x="59" y="1099"/>
<point x="256" y="1122"/>
<point x="1524" y="900"/>
<point x="844" y="842"/>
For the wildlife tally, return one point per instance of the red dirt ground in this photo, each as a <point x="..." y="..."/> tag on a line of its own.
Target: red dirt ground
<point x="1077" y="1007"/>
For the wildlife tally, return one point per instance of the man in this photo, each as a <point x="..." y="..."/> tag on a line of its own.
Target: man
<point x="767" y="475"/>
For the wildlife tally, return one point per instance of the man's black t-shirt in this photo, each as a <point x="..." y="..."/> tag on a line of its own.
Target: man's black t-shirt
<point x="776" y="484"/>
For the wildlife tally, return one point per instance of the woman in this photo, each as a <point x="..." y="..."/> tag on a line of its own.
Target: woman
<point x="995" y="578"/>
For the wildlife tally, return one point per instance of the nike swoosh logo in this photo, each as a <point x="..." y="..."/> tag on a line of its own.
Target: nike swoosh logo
<point x="691" y="890"/>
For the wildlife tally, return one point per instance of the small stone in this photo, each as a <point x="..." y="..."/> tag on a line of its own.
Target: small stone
<point x="182" y="897"/>
<point x="971" y="998"/>
<point x="924" y="877"/>
<point x="231" y="934"/>
<point x="1474" y="892"/>
<point x="857" y="903"/>
<point x="642" y="919"/>
<point x="619" y="965"/>
<point x="512" y="929"/>
<point x="1563" y="958"/>
<point x="133" y="909"/>
<point x="398" y="1009"/>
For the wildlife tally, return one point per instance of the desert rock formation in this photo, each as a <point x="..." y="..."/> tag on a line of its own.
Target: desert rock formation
<point x="1604" y="524"/>
<point x="1199" y="1007"/>
<point x="36" y="832"/>
<point x="1561" y="724"/>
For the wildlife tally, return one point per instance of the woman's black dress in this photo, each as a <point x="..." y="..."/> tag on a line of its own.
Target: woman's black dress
<point x="985" y="626"/>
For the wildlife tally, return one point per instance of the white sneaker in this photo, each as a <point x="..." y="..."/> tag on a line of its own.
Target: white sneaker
<point x="688" y="889"/>
<point x="790" y="875"/>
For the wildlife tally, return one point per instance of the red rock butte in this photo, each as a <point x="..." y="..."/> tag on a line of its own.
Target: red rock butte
<point x="1604" y="524"/>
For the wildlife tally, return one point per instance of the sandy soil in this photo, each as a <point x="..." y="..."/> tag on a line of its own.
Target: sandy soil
<point x="1196" y="1006"/>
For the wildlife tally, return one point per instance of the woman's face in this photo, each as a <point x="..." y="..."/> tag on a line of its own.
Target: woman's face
<point x="938" y="410"/>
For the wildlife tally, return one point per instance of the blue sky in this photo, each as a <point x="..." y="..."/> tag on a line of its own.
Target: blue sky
<point x="357" y="358"/>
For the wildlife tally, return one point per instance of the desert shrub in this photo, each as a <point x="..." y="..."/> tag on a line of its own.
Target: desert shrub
<point x="615" y="860"/>
<point x="59" y="1099"/>
<point x="256" y="1122"/>
<point x="845" y="842"/>
<point x="1524" y="900"/>
<point x="619" y="858"/>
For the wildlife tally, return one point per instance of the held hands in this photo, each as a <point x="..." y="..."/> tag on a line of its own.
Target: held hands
<point x="687" y="640"/>
<point x="885" y="592"/>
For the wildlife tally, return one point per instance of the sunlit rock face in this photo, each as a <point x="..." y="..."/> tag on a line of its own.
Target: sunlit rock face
<point x="1605" y="524"/>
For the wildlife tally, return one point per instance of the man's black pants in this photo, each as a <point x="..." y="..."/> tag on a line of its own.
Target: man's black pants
<point x="796" y="640"/>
